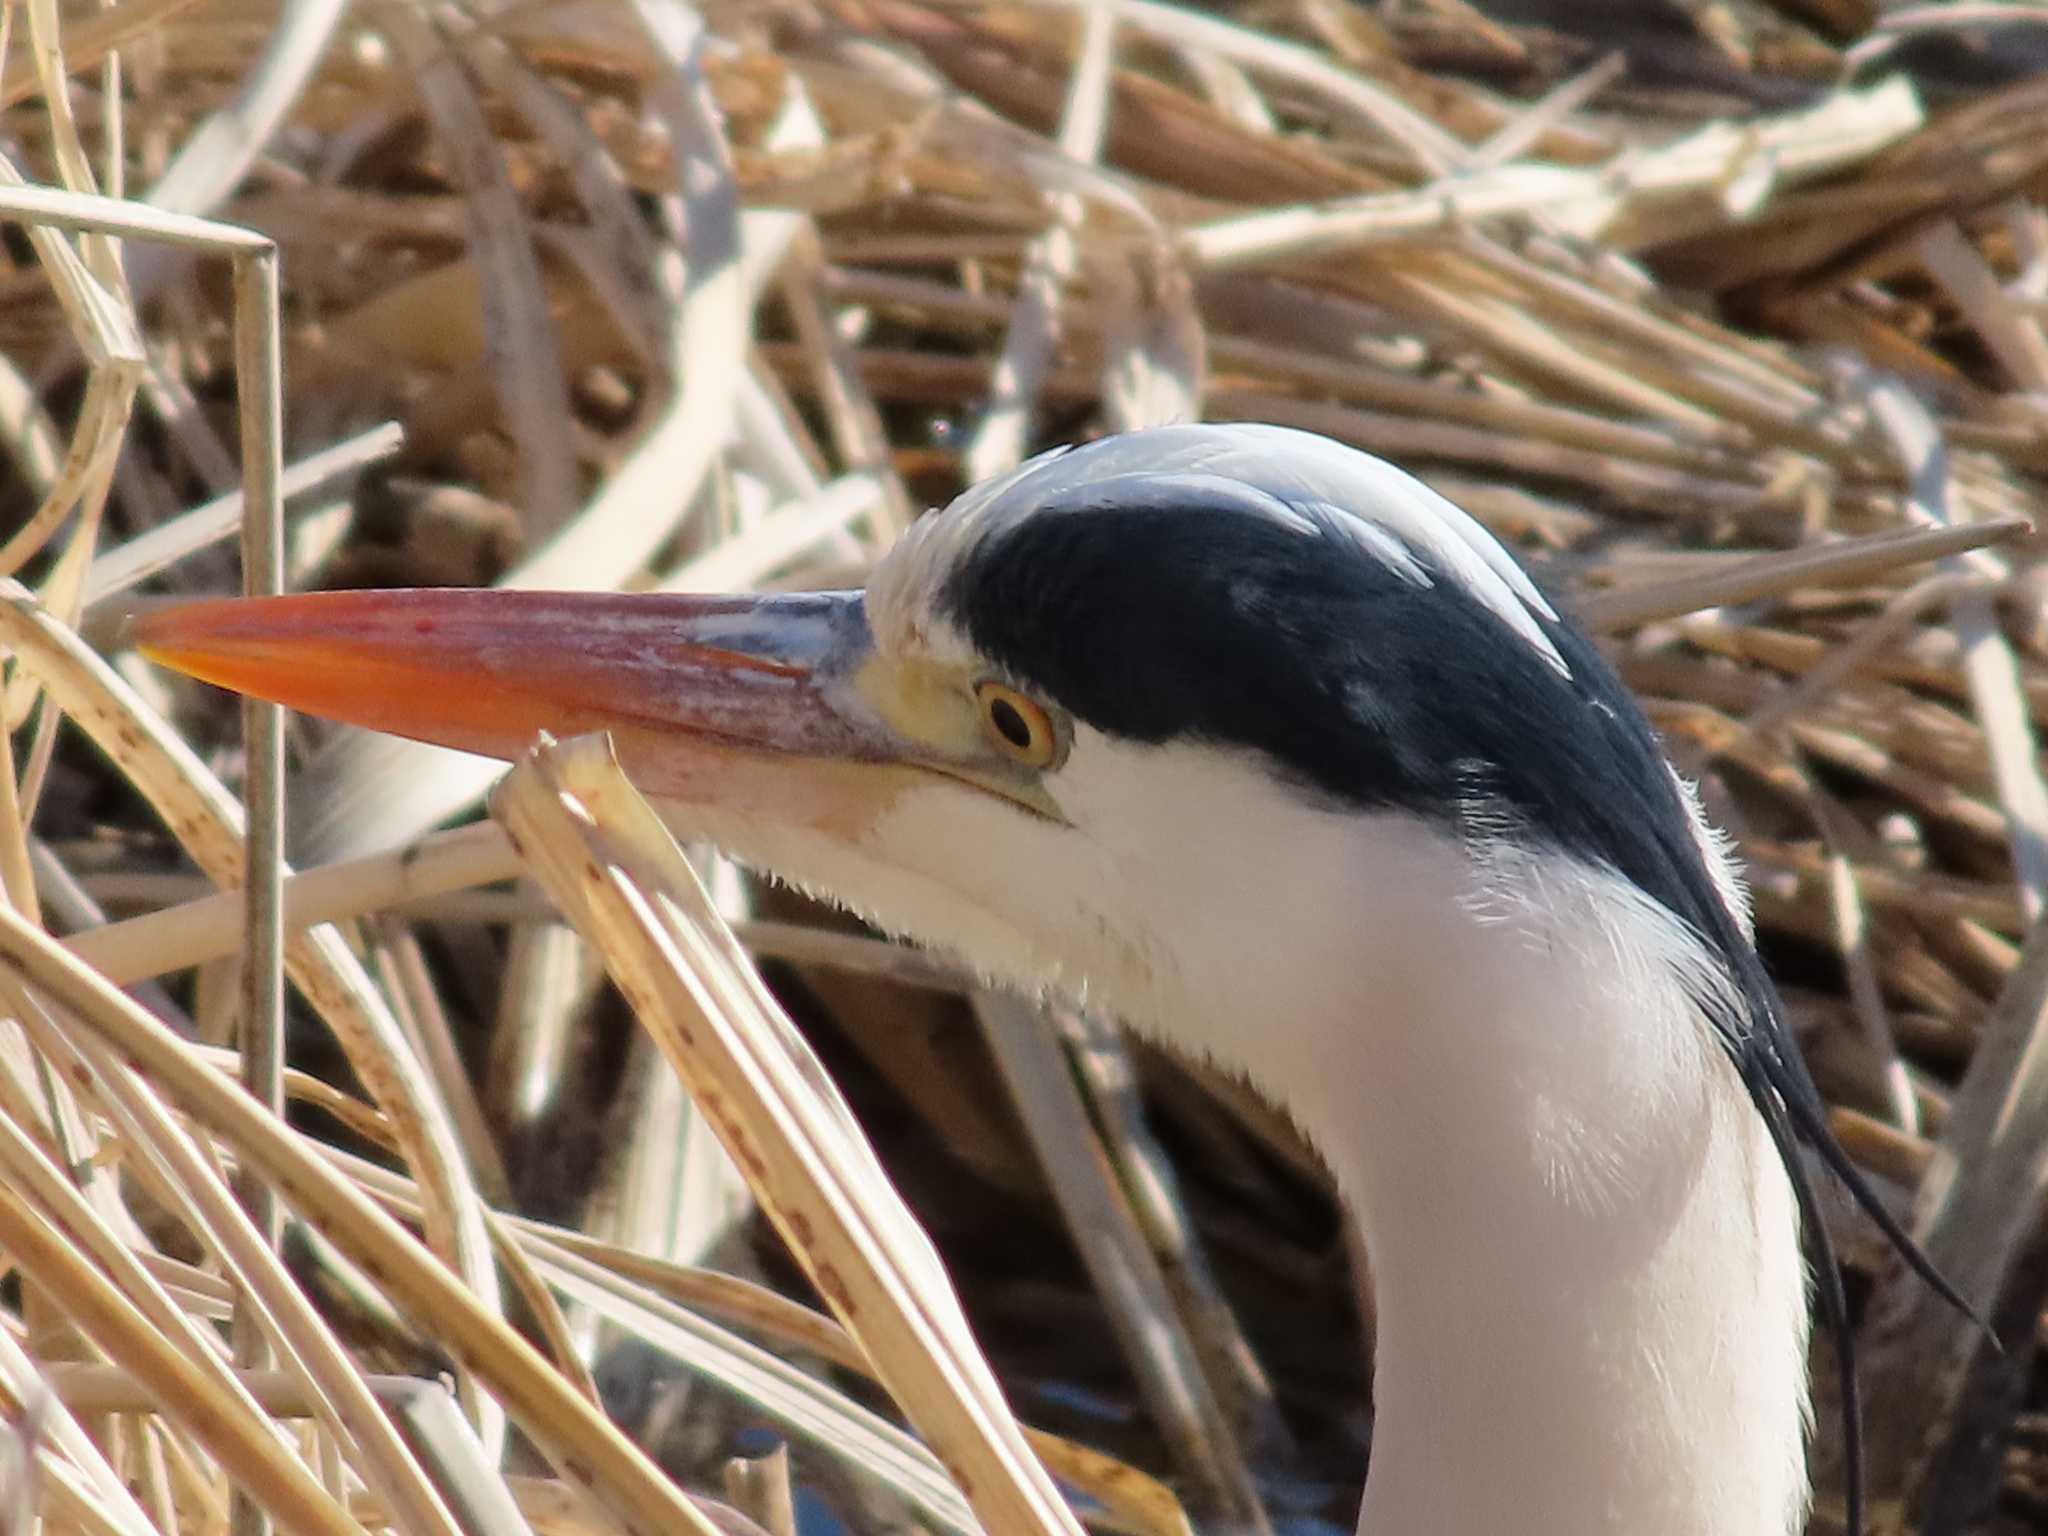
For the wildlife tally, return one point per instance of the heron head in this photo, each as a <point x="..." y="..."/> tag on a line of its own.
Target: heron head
<point x="1067" y="722"/>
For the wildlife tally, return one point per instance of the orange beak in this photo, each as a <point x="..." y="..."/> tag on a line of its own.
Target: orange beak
<point x="681" y="681"/>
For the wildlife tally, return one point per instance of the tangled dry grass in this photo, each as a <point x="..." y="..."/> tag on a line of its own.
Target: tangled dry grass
<point x="1734" y="319"/>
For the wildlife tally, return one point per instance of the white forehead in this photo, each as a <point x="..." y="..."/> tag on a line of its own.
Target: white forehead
<point x="1319" y="487"/>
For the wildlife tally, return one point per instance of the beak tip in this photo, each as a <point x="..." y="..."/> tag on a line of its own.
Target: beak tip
<point x="173" y="624"/>
<point x="210" y="639"/>
<point x="140" y="631"/>
<point x="155" y="634"/>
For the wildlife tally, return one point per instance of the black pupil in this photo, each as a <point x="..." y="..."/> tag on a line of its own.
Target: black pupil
<point x="1009" y="720"/>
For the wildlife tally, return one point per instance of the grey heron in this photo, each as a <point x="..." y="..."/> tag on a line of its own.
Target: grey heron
<point x="1280" y="756"/>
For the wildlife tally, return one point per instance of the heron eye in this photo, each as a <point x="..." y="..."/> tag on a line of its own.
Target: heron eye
<point x="1017" y="725"/>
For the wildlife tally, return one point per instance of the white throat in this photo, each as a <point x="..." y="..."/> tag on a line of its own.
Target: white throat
<point x="1591" y="1301"/>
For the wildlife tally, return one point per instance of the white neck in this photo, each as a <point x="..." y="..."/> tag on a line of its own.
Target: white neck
<point x="1591" y="1303"/>
<point x="1592" y="1309"/>
<point x="1580" y="1330"/>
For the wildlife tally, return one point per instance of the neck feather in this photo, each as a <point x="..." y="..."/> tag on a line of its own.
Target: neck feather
<point x="1592" y="1308"/>
<point x="1577" y="1338"/>
<point x="1591" y="1304"/>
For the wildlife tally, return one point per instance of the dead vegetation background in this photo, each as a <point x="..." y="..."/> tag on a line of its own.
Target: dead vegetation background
<point x="1734" y="319"/>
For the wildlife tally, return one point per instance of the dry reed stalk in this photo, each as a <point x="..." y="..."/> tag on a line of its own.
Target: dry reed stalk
<point x="604" y="856"/>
